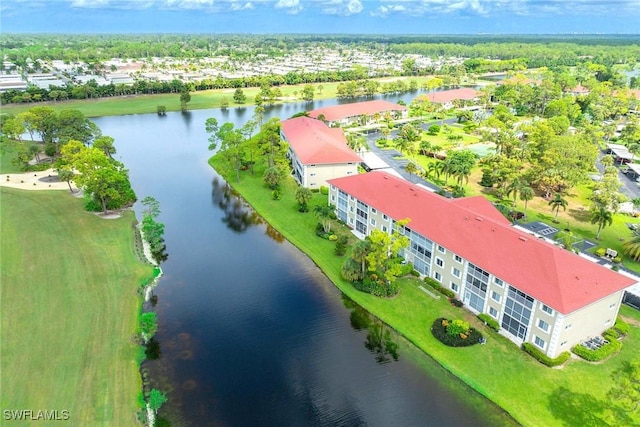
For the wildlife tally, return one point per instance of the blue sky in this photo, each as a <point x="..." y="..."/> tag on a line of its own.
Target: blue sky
<point x="321" y="16"/>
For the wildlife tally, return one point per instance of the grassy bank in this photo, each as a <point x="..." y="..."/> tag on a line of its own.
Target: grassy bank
<point x="532" y="393"/>
<point x="141" y="104"/>
<point x="69" y="309"/>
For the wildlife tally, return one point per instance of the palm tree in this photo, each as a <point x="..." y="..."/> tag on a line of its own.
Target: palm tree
<point x="324" y="213"/>
<point x="631" y="247"/>
<point x="556" y="203"/>
<point x="357" y="142"/>
<point x="526" y="194"/>
<point x="412" y="168"/>
<point x="602" y="217"/>
<point x="434" y="169"/>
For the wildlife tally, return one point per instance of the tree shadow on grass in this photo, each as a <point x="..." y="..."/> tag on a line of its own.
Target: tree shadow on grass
<point x="581" y="215"/>
<point x="580" y="409"/>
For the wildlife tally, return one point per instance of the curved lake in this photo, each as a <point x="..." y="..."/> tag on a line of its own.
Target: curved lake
<point x="250" y="330"/>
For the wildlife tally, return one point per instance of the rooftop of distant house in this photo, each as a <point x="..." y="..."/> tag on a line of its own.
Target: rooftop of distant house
<point x="367" y="108"/>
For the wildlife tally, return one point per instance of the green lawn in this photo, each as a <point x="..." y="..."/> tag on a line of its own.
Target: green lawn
<point x="532" y="393"/>
<point x="69" y="309"/>
<point x="141" y="104"/>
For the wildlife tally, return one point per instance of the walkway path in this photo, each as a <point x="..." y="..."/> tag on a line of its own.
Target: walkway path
<point x="44" y="180"/>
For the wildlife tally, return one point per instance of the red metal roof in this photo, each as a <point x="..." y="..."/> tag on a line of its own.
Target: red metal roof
<point x="472" y="229"/>
<point x="316" y="143"/>
<point x="368" y="108"/>
<point x="449" y="95"/>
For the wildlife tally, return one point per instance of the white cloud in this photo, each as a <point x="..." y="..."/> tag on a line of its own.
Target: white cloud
<point x="292" y="6"/>
<point x="237" y="5"/>
<point x="339" y="7"/>
<point x="489" y="7"/>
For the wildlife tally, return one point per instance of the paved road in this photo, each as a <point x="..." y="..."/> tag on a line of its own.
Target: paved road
<point x="389" y="156"/>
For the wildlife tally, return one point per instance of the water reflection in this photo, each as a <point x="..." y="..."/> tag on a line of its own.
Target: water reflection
<point x="152" y="351"/>
<point x="237" y="214"/>
<point x="273" y="233"/>
<point x="379" y="339"/>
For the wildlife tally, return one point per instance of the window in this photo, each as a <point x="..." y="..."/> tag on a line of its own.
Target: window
<point x="612" y="305"/>
<point x="439" y="262"/>
<point x="498" y="282"/>
<point x="517" y="312"/>
<point x="495" y="296"/>
<point x="313" y="174"/>
<point x="568" y="326"/>
<point x="547" y="309"/>
<point x="351" y="208"/>
<point x="441" y="249"/>
<point x="454" y="287"/>
<point x="493" y="312"/>
<point x="607" y="322"/>
<point x="563" y="343"/>
<point x="543" y="325"/>
<point x="458" y="258"/>
<point x="385" y="217"/>
<point x="539" y="342"/>
<point x="384" y="228"/>
<point x="476" y="287"/>
<point x="373" y="221"/>
<point x="437" y="276"/>
<point x="455" y="272"/>
<point x="373" y="211"/>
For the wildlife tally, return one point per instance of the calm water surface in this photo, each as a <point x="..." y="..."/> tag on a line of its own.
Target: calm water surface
<point x="251" y="333"/>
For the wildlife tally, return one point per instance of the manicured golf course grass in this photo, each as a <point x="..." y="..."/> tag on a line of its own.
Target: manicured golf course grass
<point x="533" y="394"/>
<point x="69" y="309"/>
<point x="142" y="104"/>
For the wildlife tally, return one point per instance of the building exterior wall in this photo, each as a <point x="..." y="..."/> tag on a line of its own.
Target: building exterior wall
<point x="521" y="317"/>
<point x="316" y="176"/>
<point x="590" y="321"/>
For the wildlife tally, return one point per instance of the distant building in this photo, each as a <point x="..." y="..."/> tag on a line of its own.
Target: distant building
<point x="317" y="153"/>
<point x="539" y="293"/>
<point x="346" y="114"/>
<point x="12" y="82"/>
<point x="446" y="97"/>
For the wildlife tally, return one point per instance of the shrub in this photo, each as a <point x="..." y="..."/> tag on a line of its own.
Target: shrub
<point x="435" y="285"/>
<point x="600" y="251"/>
<point x="487" y="178"/>
<point x="406" y="269"/>
<point x="622" y="327"/>
<point x="333" y="237"/>
<point x="617" y="259"/>
<point x="456" y="302"/>
<point x="433" y="130"/>
<point x="341" y="245"/>
<point x="275" y="194"/>
<point x="457" y="327"/>
<point x="543" y="358"/>
<point x="599" y="354"/>
<point x="489" y="321"/>
<point x="440" y="327"/>
<point x="415" y="273"/>
<point x="324" y="190"/>
<point x="377" y="287"/>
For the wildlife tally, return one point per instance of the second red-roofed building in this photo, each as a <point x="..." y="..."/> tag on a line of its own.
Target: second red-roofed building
<point x="360" y="113"/>
<point x="317" y="152"/>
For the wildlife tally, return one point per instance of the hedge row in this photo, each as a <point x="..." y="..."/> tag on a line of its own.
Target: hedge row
<point x="601" y="353"/>
<point x="489" y="321"/>
<point x="375" y="287"/>
<point x="543" y="358"/>
<point x="440" y="332"/>
<point x="438" y="287"/>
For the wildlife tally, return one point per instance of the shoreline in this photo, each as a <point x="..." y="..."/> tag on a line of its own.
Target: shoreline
<point x="373" y="313"/>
